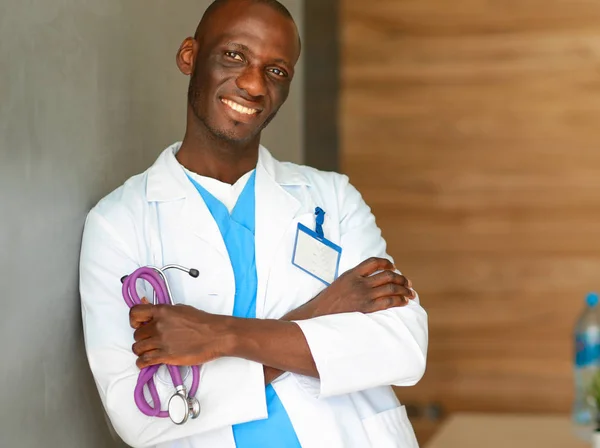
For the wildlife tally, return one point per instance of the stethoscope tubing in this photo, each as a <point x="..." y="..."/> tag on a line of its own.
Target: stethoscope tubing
<point x="156" y="278"/>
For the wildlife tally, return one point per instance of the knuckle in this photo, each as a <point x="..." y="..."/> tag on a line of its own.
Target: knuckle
<point x="390" y="276"/>
<point x="365" y="307"/>
<point x="370" y="306"/>
<point x="149" y="357"/>
<point x="385" y="303"/>
<point x="372" y="261"/>
<point x="390" y="303"/>
<point x="366" y="300"/>
<point x="373" y="308"/>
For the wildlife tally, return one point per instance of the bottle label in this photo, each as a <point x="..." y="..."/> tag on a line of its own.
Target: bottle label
<point x="587" y="350"/>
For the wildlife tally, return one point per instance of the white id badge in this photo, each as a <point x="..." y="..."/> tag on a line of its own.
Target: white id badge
<point x="316" y="256"/>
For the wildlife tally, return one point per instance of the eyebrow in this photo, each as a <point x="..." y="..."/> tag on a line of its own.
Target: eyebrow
<point x="244" y="48"/>
<point x="241" y="47"/>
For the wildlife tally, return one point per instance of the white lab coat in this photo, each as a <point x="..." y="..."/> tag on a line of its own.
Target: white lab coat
<point x="158" y="218"/>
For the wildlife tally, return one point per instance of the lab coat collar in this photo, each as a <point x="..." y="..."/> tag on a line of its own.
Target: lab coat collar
<point x="167" y="180"/>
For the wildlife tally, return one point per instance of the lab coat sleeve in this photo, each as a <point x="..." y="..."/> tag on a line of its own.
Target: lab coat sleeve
<point x="231" y="390"/>
<point x="355" y="351"/>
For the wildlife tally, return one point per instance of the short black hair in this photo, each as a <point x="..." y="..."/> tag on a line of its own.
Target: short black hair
<point x="275" y="4"/>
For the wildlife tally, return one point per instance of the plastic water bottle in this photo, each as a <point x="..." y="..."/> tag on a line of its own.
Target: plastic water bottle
<point x="587" y="365"/>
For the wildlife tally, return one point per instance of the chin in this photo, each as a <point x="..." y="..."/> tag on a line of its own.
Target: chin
<point x="234" y="135"/>
<point x="224" y="129"/>
<point x="236" y="131"/>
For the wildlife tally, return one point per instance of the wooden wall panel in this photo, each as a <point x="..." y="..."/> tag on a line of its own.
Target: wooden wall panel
<point x="472" y="128"/>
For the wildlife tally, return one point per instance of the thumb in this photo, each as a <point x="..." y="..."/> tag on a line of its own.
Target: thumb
<point x="140" y="314"/>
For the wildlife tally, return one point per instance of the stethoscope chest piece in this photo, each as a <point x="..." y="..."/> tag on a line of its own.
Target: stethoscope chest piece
<point x="181" y="408"/>
<point x="178" y="409"/>
<point x="194" y="407"/>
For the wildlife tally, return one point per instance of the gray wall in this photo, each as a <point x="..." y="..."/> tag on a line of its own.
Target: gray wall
<point x="89" y="95"/>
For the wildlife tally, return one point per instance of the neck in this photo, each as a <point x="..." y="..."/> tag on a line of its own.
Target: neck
<point x="207" y="155"/>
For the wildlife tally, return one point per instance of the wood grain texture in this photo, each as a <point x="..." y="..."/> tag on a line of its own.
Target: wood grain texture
<point x="472" y="128"/>
<point x="500" y="431"/>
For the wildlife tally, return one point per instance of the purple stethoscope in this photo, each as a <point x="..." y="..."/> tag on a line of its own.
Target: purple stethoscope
<point x="181" y="405"/>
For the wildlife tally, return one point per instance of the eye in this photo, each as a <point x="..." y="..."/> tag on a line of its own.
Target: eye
<point x="234" y="55"/>
<point x="278" y="72"/>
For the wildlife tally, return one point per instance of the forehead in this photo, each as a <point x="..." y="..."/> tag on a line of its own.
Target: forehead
<point x="266" y="32"/>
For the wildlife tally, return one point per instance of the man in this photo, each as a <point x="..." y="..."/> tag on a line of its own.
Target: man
<point x="291" y="353"/>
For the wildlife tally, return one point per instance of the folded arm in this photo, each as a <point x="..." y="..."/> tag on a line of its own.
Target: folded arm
<point x="184" y="335"/>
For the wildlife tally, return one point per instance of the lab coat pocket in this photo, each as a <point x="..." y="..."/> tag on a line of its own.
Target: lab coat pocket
<point x="390" y="429"/>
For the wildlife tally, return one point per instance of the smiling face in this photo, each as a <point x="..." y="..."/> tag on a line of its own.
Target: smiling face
<point x="243" y="64"/>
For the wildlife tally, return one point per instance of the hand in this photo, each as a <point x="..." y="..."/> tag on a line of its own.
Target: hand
<point x="358" y="290"/>
<point x="177" y="335"/>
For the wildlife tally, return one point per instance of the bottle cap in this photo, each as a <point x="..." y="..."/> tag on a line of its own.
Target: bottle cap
<point x="592" y="299"/>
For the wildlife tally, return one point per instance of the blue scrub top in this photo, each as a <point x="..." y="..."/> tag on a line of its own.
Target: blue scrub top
<point x="238" y="231"/>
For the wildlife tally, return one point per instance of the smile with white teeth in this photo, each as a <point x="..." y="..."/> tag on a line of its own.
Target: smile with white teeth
<point x="238" y="107"/>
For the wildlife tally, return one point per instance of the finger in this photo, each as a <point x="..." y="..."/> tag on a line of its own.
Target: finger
<point x="145" y="346"/>
<point x="386" y="303"/>
<point x="146" y="331"/>
<point x="145" y="301"/>
<point x="150" y="358"/>
<point x="372" y="265"/>
<point x="140" y="314"/>
<point x="385" y="277"/>
<point x="391" y="289"/>
<point x="413" y="293"/>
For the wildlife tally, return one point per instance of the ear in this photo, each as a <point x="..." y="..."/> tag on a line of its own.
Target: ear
<point x="186" y="56"/>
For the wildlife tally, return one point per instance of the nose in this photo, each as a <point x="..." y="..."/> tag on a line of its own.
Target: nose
<point x="252" y="81"/>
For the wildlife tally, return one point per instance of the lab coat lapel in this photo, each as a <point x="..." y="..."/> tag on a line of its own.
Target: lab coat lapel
<point x="197" y="215"/>
<point x="168" y="182"/>
<point x="276" y="209"/>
